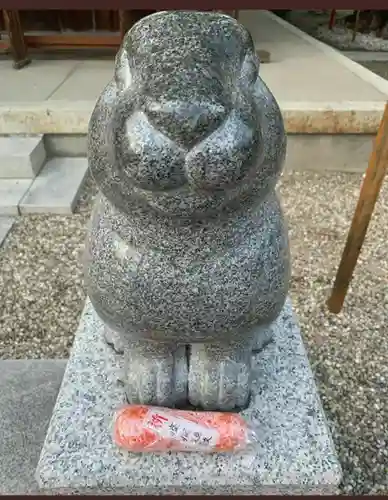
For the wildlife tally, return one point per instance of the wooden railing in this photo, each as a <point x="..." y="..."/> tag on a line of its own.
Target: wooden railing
<point x="114" y="23"/>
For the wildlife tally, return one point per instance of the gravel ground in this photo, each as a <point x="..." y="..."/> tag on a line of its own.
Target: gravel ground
<point x="41" y="297"/>
<point x="41" y="285"/>
<point x="347" y="352"/>
<point x="316" y="25"/>
<point x="342" y="38"/>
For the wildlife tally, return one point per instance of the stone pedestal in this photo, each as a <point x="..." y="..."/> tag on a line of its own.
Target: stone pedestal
<point x="295" y="453"/>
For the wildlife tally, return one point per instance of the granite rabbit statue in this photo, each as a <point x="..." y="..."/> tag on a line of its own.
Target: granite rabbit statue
<point x="187" y="253"/>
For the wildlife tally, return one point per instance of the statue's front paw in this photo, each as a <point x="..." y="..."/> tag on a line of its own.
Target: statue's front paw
<point x="219" y="377"/>
<point x="155" y="374"/>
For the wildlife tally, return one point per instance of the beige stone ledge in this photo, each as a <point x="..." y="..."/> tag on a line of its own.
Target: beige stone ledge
<point x="49" y="117"/>
<point x="332" y="118"/>
<point x="57" y="117"/>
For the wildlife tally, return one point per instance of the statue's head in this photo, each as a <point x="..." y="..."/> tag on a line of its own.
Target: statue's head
<point x="182" y="132"/>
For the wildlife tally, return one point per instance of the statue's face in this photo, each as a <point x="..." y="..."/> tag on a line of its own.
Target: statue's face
<point x="184" y="134"/>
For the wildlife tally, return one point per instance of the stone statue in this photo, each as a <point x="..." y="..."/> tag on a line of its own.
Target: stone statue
<point x="187" y="254"/>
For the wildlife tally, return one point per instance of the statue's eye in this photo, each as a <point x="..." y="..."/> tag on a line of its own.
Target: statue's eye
<point x="123" y="75"/>
<point x="249" y="70"/>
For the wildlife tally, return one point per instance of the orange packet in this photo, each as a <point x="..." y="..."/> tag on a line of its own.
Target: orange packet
<point x="141" y="428"/>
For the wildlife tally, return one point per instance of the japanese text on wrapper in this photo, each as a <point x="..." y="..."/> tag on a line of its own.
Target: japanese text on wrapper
<point x="187" y="432"/>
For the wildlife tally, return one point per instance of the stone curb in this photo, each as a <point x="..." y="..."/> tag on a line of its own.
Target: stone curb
<point x="62" y="117"/>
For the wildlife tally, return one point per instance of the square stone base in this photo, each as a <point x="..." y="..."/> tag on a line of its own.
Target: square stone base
<point x="295" y="453"/>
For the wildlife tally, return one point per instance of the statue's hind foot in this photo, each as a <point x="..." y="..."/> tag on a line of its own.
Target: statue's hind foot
<point x="220" y="376"/>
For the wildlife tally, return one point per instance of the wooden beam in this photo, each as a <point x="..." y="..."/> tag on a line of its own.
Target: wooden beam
<point x="73" y="40"/>
<point x="16" y="36"/>
<point x="369" y="193"/>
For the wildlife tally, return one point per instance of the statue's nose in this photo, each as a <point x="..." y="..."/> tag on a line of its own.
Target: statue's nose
<point x="186" y="123"/>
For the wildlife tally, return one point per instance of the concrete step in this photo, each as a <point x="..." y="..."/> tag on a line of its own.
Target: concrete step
<point x="21" y="157"/>
<point x="6" y="224"/>
<point x="12" y="192"/>
<point x="28" y="391"/>
<point x="56" y="189"/>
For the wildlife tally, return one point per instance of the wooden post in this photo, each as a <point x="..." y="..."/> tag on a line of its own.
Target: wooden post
<point x="16" y="37"/>
<point x="129" y="17"/>
<point x="124" y="17"/>
<point x="356" y="23"/>
<point x="369" y="193"/>
<point x="332" y="19"/>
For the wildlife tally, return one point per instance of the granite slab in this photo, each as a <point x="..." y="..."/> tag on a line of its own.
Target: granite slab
<point x="294" y="455"/>
<point x="28" y="390"/>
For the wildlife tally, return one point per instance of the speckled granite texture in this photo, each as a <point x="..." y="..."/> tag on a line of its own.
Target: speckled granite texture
<point x="187" y="253"/>
<point x="295" y="453"/>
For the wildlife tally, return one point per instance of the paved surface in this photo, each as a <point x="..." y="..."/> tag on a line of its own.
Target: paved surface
<point x="28" y="391"/>
<point x="319" y="90"/>
<point x="298" y="71"/>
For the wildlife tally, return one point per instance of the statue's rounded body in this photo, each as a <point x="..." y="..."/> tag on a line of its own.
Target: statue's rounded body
<point x="187" y="256"/>
<point x="200" y="282"/>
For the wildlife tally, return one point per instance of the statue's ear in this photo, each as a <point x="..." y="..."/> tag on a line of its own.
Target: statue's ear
<point x="123" y="76"/>
<point x="249" y="70"/>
